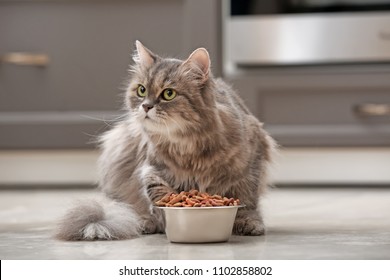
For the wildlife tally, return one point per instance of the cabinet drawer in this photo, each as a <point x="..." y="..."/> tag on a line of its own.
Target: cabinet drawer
<point x="320" y="107"/>
<point x="312" y="118"/>
<point x="311" y="107"/>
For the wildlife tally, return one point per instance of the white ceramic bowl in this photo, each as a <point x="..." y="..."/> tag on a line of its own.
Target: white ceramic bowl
<point x="199" y="224"/>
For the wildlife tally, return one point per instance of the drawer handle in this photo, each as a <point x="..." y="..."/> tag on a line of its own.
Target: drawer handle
<point x="25" y="59"/>
<point x="372" y="109"/>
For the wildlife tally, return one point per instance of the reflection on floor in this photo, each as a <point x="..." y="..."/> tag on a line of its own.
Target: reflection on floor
<point x="302" y="223"/>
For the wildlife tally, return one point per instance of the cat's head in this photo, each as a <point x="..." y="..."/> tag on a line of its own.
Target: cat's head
<point x="170" y="96"/>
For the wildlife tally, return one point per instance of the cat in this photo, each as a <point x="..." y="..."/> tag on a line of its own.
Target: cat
<point x="184" y="130"/>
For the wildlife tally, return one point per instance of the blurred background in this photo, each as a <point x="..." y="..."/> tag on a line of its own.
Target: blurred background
<point x="316" y="72"/>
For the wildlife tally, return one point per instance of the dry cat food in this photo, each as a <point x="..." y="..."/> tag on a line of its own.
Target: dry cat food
<point x="194" y="198"/>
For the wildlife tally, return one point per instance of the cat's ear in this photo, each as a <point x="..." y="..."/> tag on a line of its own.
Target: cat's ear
<point x="201" y="59"/>
<point x="143" y="56"/>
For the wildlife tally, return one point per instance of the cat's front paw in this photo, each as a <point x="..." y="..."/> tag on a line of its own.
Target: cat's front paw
<point x="154" y="223"/>
<point x="151" y="227"/>
<point x="248" y="226"/>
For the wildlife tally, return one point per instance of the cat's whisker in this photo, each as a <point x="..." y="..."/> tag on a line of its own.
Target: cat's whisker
<point x="108" y="122"/>
<point x="159" y="140"/>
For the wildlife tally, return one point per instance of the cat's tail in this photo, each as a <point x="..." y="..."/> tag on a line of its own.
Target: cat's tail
<point x="102" y="219"/>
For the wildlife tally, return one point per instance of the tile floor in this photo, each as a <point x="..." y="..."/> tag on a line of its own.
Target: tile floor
<point x="303" y="223"/>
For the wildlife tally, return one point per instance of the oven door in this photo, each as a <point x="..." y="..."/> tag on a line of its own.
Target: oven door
<point x="309" y="32"/>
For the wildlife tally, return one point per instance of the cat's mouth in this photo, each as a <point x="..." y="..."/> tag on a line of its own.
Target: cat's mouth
<point x="149" y="118"/>
<point x="145" y="116"/>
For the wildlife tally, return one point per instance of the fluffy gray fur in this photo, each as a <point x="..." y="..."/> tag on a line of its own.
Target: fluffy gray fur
<point x="204" y="138"/>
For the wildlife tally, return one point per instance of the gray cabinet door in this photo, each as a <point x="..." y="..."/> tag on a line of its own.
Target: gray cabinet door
<point x="73" y="61"/>
<point x="341" y="105"/>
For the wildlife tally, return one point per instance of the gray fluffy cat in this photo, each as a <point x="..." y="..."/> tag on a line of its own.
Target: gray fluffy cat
<point x="185" y="129"/>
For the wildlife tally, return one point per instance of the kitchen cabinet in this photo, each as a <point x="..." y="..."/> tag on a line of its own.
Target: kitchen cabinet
<point x="321" y="105"/>
<point x="78" y="52"/>
<point x="63" y="64"/>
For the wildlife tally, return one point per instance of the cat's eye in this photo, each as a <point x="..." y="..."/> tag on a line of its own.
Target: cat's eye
<point x="168" y="94"/>
<point x="141" y="91"/>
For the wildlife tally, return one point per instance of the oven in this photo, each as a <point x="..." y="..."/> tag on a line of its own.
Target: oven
<point x="307" y="32"/>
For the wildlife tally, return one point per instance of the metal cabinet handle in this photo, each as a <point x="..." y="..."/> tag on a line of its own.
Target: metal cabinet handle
<point x="372" y="109"/>
<point x="26" y="59"/>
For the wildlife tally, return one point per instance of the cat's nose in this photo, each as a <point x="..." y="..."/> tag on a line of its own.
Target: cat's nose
<point x="147" y="107"/>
